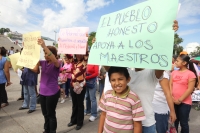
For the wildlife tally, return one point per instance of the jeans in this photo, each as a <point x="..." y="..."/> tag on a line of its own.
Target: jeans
<point x="151" y="129"/>
<point x="4" y="97"/>
<point x="29" y="97"/>
<point x="91" y="102"/>
<point x="48" y="106"/>
<point x="67" y="87"/>
<point x="77" y="116"/>
<point x="101" y="87"/>
<point x="161" y="122"/>
<point x="182" y="114"/>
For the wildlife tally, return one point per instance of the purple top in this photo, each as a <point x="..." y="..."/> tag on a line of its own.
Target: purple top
<point x="49" y="79"/>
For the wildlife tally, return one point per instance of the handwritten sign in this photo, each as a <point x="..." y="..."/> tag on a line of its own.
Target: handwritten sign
<point x="13" y="59"/>
<point x="73" y="40"/>
<point x="31" y="51"/>
<point x="140" y="36"/>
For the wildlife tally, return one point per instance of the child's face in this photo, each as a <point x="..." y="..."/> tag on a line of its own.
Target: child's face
<point x="179" y="62"/>
<point x="119" y="82"/>
<point x="63" y="71"/>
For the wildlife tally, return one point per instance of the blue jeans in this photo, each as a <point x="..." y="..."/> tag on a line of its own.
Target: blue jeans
<point x="67" y="87"/>
<point x="91" y="102"/>
<point x="29" y="97"/>
<point x="101" y="87"/>
<point x="151" y="129"/>
<point x="182" y="114"/>
<point x="161" y="122"/>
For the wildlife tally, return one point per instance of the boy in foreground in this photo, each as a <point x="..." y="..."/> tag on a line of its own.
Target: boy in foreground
<point x="121" y="108"/>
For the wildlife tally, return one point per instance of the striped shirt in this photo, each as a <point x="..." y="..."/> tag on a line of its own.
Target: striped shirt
<point x="121" y="111"/>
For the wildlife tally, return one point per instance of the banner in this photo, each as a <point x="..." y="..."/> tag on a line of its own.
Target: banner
<point x="73" y="40"/>
<point x="139" y="36"/>
<point x="31" y="50"/>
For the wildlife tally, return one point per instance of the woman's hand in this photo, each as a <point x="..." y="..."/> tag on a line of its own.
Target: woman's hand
<point x="175" y="25"/>
<point x="172" y="117"/>
<point x="41" y="43"/>
<point x="8" y="84"/>
<point x="176" y="101"/>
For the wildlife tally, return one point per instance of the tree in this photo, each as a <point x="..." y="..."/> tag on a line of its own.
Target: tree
<point x="196" y="52"/>
<point x="177" y="48"/>
<point x="3" y="30"/>
<point x="91" y="36"/>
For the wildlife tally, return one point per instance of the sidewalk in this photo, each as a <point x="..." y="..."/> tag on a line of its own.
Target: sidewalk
<point x="13" y="120"/>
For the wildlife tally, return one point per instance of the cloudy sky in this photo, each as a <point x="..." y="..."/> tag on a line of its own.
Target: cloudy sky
<point x="51" y="15"/>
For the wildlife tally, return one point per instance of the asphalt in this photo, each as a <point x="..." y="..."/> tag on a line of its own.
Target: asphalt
<point x="13" y="120"/>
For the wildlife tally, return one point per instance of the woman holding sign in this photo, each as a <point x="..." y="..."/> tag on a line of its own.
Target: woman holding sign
<point x="49" y="90"/>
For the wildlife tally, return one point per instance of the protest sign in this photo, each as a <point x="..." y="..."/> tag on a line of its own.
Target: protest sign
<point x="73" y="40"/>
<point x="30" y="54"/>
<point x="140" y="36"/>
<point x="13" y="59"/>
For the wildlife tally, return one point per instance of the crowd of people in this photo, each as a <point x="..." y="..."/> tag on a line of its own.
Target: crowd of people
<point x="131" y="99"/>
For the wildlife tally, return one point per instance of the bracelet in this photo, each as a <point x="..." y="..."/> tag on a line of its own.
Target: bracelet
<point x="50" y="54"/>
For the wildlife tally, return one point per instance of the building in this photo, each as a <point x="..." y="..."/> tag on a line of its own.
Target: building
<point x="191" y="47"/>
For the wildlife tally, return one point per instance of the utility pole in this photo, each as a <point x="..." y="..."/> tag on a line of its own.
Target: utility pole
<point x="55" y="35"/>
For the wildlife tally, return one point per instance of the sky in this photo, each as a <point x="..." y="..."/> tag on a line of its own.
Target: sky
<point x="48" y="16"/>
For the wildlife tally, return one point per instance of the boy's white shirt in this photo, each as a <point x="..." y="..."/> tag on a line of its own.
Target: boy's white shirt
<point x="142" y="83"/>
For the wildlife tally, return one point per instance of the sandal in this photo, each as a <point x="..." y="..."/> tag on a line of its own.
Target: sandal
<point x="20" y="99"/>
<point x="4" y="105"/>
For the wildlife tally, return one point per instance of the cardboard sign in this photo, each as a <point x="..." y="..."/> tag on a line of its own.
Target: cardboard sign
<point x="31" y="51"/>
<point x="13" y="59"/>
<point x="139" y="36"/>
<point x="73" y="40"/>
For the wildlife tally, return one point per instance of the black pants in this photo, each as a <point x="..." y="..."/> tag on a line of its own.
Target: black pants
<point x="48" y="106"/>
<point x="22" y="92"/>
<point x="77" y="116"/>
<point x="182" y="114"/>
<point x="3" y="95"/>
<point x="2" y="87"/>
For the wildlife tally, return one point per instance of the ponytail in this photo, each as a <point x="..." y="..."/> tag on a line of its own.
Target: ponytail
<point x="191" y="68"/>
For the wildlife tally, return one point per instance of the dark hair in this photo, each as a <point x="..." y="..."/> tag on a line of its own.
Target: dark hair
<point x="75" y="58"/>
<point x="53" y="50"/>
<point x="186" y="58"/>
<point x="175" y="56"/>
<point x="121" y="70"/>
<point x="3" y="51"/>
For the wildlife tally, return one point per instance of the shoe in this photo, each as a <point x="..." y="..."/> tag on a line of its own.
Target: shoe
<point x="4" y="105"/>
<point x="87" y="113"/>
<point x="70" y="124"/>
<point x="30" y="111"/>
<point x="45" y="132"/>
<point x="78" y="127"/>
<point x="62" y="100"/>
<point x="20" y="99"/>
<point x="21" y="108"/>
<point x="92" y="118"/>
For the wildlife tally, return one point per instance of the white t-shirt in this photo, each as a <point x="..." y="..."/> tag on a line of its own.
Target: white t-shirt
<point x="159" y="103"/>
<point x="10" y="52"/>
<point x="143" y="83"/>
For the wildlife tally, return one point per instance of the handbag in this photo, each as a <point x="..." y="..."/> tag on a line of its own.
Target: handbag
<point x="91" y="83"/>
<point x="171" y="129"/>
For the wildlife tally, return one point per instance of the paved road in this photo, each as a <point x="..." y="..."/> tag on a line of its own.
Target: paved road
<point x="13" y="120"/>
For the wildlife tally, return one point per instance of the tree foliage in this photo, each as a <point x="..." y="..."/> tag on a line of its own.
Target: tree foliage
<point x="3" y="30"/>
<point x="177" y="48"/>
<point x="196" y="52"/>
<point x="91" y="36"/>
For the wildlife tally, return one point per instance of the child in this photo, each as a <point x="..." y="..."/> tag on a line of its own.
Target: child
<point x="121" y="108"/>
<point x="68" y="67"/>
<point x="182" y="83"/>
<point x="61" y="81"/>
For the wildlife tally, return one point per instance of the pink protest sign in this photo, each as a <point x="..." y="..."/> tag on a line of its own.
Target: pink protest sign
<point x="73" y="40"/>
